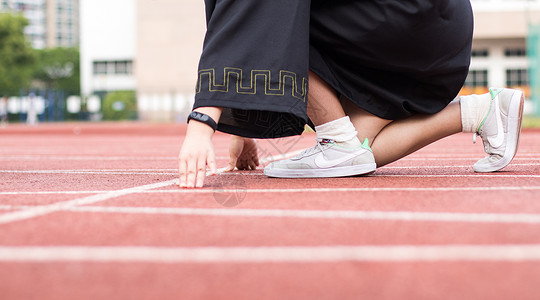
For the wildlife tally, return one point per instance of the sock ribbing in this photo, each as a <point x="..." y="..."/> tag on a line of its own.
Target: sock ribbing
<point x="340" y="130"/>
<point x="474" y="109"/>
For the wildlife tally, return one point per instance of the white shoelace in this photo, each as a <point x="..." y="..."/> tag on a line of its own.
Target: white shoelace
<point x="319" y="146"/>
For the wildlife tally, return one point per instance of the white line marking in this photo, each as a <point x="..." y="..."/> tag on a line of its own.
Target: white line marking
<point x="88" y="170"/>
<point x="452" y="167"/>
<point x="319" y="214"/>
<point x="379" y="174"/>
<point x="221" y="172"/>
<point x="466" y="155"/>
<point x="103" y="172"/>
<point x="52" y="193"/>
<point x="93" y="158"/>
<point x="471" y="159"/>
<point x="277" y="157"/>
<point x="308" y="214"/>
<point x="299" y="190"/>
<point x="498" y="175"/>
<point x="51" y="208"/>
<point x="322" y="254"/>
<point x="393" y="189"/>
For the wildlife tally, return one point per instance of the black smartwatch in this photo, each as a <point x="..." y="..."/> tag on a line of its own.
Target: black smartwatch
<point x="203" y="118"/>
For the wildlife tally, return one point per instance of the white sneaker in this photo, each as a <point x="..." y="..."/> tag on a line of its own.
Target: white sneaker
<point x="326" y="159"/>
<point x="500" y="129"/>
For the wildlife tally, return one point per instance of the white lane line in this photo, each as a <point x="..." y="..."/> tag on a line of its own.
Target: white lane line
<point x="270" y="159"/>
<point x="465" y="155"/>
<point x="496" y="175"/>
<point x="98" y="172"/>
<point x="41" y="157"/>
<point x="93" y="158"/>
<point x="12" y="154"/>
<point x="409" y="216"/>
<point x="175" y="172"/>
<point x="52" y="193"/>
<point x="533" y="157"/>
<point x="321" y="254"/>
<point x="88" y="170"/>
<point x="298" y="190"/>
<point x="468" y="159"/>
<point x="319" y="214"/>
<point x="55" y="157"/>
<point x="452" y="167"/>
<point x="51" y="208"/>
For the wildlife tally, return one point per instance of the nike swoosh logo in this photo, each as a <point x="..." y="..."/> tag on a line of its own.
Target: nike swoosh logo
<point x="323" y="163"/>
<point x="497" y="141"/>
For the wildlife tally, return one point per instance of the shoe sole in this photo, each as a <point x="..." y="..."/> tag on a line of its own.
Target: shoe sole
<point x="515" y="117"/>
<point x="322" y="173"/>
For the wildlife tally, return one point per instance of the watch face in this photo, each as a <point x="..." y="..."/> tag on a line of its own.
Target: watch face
<point x="203" y="118"/>
<point x="198" y="116"/>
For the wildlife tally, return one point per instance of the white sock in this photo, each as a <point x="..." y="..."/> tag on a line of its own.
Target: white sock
<point x="342" y="131"/>
<point x="474" y="109"/>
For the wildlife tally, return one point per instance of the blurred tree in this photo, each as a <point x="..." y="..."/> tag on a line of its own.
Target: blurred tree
<point x="58" y="68"/>
<point x="16" y="54"/>
<point x="120" y="105"/>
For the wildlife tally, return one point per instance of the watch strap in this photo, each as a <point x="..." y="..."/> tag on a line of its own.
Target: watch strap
<point x="203" y="118"/>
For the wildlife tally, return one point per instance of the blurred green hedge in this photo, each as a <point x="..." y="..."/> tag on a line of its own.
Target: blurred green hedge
<point x="120" y="105"/>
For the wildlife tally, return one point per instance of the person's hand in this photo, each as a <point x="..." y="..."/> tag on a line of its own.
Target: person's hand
<point x="243" y="154"/>
<point x="197" y="152"/>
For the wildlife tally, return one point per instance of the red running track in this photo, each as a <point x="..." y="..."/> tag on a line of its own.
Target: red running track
<point x="91" y="211"/>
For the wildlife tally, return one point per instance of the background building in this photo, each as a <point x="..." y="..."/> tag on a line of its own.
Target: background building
<point x="169" y="42"/>
<point x="500" y="43"/>
<point x="62" y="23"/>
<point x="107" y="46"/>
<point x="34" y="11"/>
<point x="52" y="23"/>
